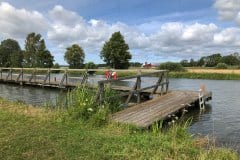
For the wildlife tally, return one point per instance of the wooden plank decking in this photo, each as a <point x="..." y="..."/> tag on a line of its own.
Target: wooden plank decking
<point x="146" y="113"/>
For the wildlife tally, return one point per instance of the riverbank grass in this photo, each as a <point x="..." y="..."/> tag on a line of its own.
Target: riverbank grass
<point x="40" y="133"/>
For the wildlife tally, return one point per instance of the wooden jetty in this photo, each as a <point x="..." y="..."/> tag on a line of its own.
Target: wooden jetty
<point x="146" y="113"/>
<point x="135" y="90"/>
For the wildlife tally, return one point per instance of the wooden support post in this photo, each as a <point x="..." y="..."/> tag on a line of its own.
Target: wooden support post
<point x="167" y="81"/>
<point x="32" y="76"/>
<point x="35" y="76"/>
<point x="131" y="93"/>
<point x="9" y="73"/>
<point x="64" y="78"/>
<point x="47" y="77"/>
<point x="100" y="94"/>
<point x="1" y="72"/>
<point x="85" y="77"/>
<point x="19" y="75"/>
<point x="158" y="83"/>
<point x="138" y="88"/>
<point x="22" y="75"/>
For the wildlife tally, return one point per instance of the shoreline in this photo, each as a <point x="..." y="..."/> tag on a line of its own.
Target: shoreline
<point x="192" y="73"/>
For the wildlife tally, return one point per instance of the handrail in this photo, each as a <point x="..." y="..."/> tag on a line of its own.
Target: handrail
<point x="131" y="77"/>
<point x="137" y="89"/>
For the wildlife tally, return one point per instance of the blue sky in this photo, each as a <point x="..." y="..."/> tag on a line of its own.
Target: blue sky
<point x="156" y="31"/>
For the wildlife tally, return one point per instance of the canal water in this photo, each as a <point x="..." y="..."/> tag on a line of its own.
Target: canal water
<point x="220" y="120"/>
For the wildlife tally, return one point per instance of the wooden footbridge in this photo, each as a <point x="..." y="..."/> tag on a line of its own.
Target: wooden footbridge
<point x="147" y="98"/>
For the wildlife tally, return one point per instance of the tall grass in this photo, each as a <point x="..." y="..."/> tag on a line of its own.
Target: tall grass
<point x="81" y="104"/>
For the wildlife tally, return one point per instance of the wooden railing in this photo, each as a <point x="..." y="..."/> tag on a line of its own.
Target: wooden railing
<point x="137" y="89"/>
<point x="42" y="76"/>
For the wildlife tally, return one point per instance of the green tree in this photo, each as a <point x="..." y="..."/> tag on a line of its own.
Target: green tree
<point x="171" y="66"/>
<point x="90" y="65"/>
<point x="184" y="63"/>
<point x="56" y="65"/>
<point x="115" y="52"/>
<point x="36" y="53"/>
<point x="74" y="56"/>
<point x="202" y="61"/>
<point x="213" y="60"/>
<point x="10" y="53"/>
<point x="230" y="60"/>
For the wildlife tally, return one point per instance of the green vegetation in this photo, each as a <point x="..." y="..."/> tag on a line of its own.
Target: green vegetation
<point x="74" y="56"/>
<point x="90" y="65"/>
<point x="34" y="133"/>
<point x="81" y="105"/>
<point x="36" y="53"/>
<point x="115" y="52"/>
<point x="221" y="66"/>
<point x="10" y="53"/>
<point x="215" y="76"/>
<point x="213" y="60"/>
<point x="171" y="66"/>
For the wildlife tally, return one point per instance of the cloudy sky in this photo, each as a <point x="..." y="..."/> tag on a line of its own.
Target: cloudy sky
<point x="155" y="30"/>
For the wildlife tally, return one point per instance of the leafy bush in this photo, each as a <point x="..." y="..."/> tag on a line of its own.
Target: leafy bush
<point x="221" y="66"/>
<point x="171" y="66"/>
<point x="81" y="105"/>
<point x="90" y="65"/>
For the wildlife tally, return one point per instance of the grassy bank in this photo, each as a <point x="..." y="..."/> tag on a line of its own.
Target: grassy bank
<point x="34" y="133"/>
<point x="206" y="75"/>
<point x="191" y="73"/>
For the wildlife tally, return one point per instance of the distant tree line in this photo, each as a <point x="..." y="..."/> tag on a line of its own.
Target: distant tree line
<point x="213" y="60"/>
<point x="115" y="53"/>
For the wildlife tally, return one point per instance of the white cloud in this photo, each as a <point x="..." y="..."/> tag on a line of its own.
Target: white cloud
<point x="62" y="16"/>
<point x="228" y="37"/>
<point x="62" y="27"/>
<point x="199" y="32"/>
<point x="17" y="23"/>
<point x="228" y="9"/>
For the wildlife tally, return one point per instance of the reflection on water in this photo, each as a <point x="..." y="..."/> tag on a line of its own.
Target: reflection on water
<point x="221" y="118"/>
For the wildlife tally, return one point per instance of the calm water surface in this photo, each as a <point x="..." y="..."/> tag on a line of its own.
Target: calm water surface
<point x="221" y="118"/>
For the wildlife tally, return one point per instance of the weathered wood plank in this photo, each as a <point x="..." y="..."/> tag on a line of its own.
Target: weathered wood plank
<point x="144" y="114"/>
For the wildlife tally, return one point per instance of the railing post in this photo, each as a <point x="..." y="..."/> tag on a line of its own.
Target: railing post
<point x="158" y="83"/>
<point x="35" y="70"/>
<point x="49" y="76"/>
<point x="66" y="76"/>
<point x="32" y="76"/>
<point x="11" y="73"/>
<point x="138" y="88"/>
<point x="100" y="94"/>
<point x="85" y="77"/>
<point x="22" y="74"/>
<point x="1" y="72"/>
<point x="167" y="81"/>
<point x="19" y="76"/>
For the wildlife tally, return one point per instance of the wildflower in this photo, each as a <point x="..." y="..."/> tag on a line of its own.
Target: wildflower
<point x="90" y="109"/>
